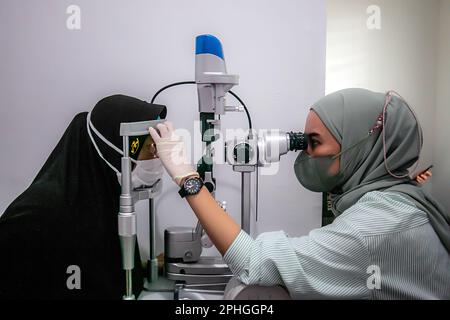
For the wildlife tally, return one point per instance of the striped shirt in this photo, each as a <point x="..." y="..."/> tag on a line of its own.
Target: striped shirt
<point x="383" y="247"/>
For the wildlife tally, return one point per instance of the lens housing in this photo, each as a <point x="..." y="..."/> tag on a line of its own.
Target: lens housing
<point x="297" y="141"/>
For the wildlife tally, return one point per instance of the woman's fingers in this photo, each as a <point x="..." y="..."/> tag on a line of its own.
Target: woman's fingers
<point x="423" y="177"/>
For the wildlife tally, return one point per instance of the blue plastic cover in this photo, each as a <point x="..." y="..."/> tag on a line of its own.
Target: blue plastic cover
<point x="207" y="43"/>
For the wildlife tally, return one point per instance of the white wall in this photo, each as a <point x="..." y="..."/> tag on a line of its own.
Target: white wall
<point x="441" y="181"/>
<point x="401" y="55"/>
<point x="49" y="73"/>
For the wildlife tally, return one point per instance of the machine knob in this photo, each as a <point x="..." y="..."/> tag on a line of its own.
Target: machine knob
<point x="242" y="153"/>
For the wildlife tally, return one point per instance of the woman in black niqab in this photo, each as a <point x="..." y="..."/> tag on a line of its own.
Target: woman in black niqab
<point x="68" y="215"/>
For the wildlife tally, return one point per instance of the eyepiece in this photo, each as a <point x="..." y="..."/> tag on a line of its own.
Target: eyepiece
<point x="297" y="141"/>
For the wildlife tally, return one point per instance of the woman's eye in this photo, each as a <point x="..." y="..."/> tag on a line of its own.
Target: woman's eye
<point x="314" y="143"/>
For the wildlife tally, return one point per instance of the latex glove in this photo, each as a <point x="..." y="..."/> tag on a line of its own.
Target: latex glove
<point x="171" y="149"/>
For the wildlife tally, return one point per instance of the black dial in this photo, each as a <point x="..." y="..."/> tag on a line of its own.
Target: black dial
<point x="193" y="186"/>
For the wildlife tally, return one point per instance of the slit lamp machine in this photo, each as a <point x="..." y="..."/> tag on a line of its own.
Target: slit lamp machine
<point x="183" y="245"/>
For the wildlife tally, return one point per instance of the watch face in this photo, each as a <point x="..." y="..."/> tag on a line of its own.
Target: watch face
<point x="192" y="186"/>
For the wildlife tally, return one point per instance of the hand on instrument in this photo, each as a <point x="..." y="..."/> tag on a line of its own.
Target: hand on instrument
<point x="171" y="149"/>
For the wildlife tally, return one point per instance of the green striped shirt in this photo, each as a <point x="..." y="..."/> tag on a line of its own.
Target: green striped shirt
<point x="383" y="247"/>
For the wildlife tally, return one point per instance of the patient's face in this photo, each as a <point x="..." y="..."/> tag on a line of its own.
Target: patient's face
<point x="322" y="142"/>
<point x="148" y="151"/>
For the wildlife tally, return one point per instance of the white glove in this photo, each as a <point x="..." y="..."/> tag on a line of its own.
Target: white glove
<point x="171" y="149"/>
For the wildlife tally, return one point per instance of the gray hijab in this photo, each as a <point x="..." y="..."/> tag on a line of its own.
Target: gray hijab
<point x="349" y="115"/>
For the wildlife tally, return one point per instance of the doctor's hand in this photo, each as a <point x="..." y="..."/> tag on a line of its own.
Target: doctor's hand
<point x="171" y="150"/>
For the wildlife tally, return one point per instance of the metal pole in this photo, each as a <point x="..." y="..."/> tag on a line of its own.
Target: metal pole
<point x="127" y="222"/>
<point x="245" y="200"/>
<point x="153" y="261"/>
<point x="129" y="285"/>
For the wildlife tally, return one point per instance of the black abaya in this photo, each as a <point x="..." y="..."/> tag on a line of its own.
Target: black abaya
<point x="68" y="215"/>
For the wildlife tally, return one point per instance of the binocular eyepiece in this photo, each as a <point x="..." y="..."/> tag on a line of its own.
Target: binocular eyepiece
<point x="297" y="141"/>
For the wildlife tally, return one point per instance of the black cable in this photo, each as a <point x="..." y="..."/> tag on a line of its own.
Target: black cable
<point x="193" y="82"/>
<point x="245" y="108"/>
<point x="170" y="86"/>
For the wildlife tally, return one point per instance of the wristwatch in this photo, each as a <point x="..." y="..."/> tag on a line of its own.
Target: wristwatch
<point x="191" y="186"/>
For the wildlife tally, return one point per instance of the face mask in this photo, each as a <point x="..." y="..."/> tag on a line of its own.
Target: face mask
<point x="146" y="172"/>
<point x="313" y="172"/>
